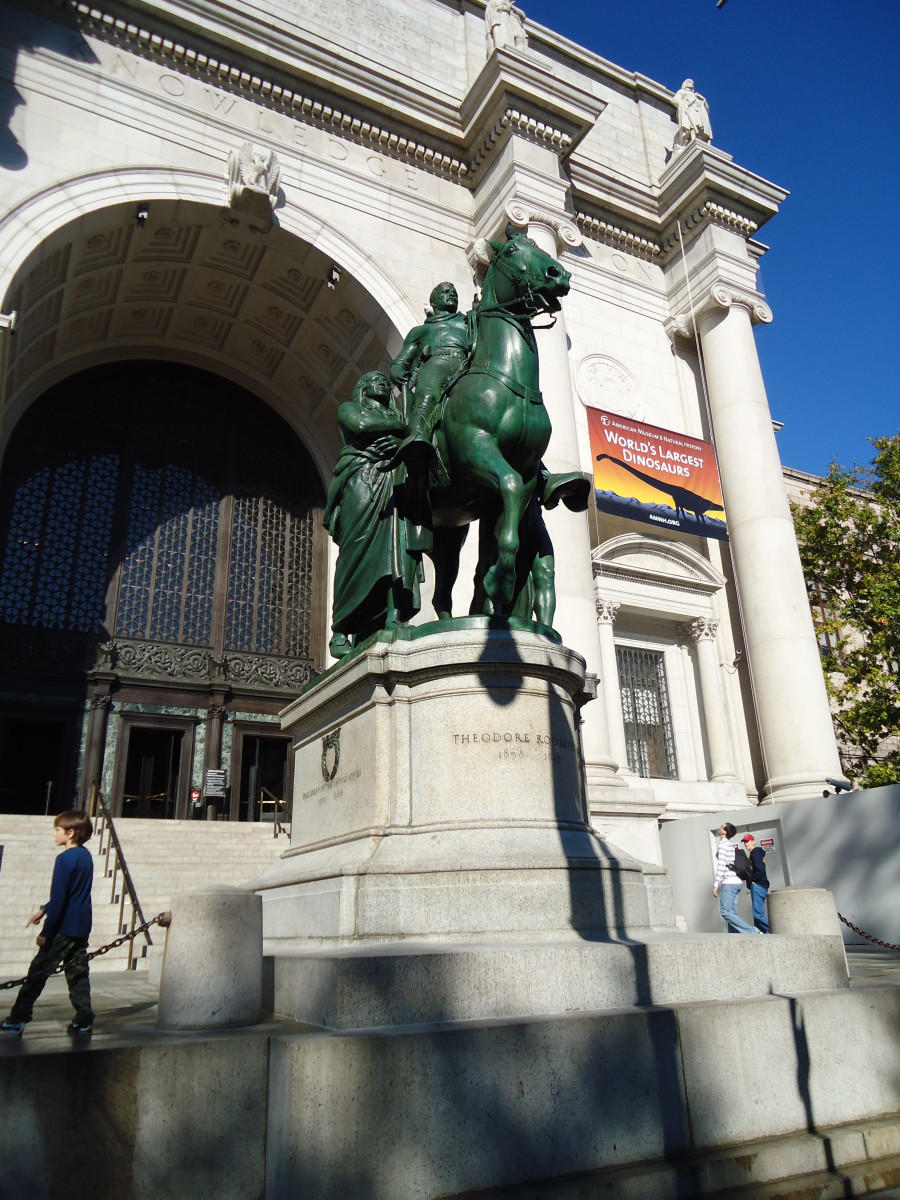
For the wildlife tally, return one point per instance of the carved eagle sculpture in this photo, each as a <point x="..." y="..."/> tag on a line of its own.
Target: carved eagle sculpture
<point x="253" y="176"/>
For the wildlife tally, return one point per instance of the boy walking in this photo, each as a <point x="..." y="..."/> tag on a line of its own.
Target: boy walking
<point x="67" y="923"/>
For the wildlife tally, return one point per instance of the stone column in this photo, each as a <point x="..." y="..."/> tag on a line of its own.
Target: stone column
<point x="607" y="612"/>
<point x="576" y="614"/>
<point x="215" y="716"/>
<point x="94" y="745"/>
<point x="703" y="632"/>
<point x="791" y="702"/>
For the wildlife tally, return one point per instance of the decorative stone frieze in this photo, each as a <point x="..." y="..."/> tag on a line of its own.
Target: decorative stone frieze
<point x="194" y="664"/>
<point x="222" y="74"/>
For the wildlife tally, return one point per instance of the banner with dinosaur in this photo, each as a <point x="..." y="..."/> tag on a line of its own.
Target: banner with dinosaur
<point x="654" y="475"/>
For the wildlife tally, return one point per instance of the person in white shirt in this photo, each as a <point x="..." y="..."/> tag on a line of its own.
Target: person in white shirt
<point x="727" y="886"/>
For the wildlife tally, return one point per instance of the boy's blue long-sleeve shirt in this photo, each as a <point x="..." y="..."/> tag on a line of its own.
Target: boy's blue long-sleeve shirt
<point x="68" y="911"/>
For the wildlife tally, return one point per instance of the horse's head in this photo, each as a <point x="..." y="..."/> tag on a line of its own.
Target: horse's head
<point x="523" y="278"/>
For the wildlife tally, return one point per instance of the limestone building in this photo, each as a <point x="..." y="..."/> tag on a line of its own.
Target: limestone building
<point x="215" y="216"/>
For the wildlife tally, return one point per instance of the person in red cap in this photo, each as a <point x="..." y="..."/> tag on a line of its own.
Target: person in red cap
<point x="759" y="881"/>
<point x="727" y="886"/>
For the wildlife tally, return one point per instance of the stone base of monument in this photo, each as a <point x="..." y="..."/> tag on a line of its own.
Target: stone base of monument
<point x="409" y="983"/>
<point x="439" y="794"/>
<point x="441" y="864"/>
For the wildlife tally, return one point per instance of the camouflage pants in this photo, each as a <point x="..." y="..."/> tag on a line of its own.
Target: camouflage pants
<point x="60" y="949"/>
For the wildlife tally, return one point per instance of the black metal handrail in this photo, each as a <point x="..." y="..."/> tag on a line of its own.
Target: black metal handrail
<point x="107" y="826"/>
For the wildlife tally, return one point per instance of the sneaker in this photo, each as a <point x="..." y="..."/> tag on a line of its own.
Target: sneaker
<point x="13" y="1028"/>
<point x="75" y="1027"/>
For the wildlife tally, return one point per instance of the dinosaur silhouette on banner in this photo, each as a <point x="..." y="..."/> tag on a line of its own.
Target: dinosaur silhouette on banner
<point x="691" y="508"/>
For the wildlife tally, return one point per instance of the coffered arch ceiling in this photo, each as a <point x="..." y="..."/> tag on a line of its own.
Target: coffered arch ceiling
<point x="192" y="284"/>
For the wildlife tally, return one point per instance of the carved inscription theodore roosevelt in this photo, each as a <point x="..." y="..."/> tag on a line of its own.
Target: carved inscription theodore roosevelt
<point x="516" y="744"/>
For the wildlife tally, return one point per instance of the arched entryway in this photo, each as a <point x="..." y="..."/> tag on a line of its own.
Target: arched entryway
<point x="162" y="582"/>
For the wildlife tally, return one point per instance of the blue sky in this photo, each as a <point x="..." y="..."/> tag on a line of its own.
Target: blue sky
<point x="804" y="93"/>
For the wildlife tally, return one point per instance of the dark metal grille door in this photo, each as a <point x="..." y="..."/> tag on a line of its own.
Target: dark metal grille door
<point x="169" y="566"/>
<point x="158" y="502"/>
<point x="56" y="564"/>
<point x="645" y="708"/>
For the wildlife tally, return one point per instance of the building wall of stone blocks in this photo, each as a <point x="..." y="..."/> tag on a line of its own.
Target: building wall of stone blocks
<point x="403" y="143"/>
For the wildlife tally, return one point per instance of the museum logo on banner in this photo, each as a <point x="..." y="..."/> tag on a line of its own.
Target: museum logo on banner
<point x="654" y="475"/>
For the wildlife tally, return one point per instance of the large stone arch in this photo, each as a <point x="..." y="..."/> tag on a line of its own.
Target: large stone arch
<point x="92" y="282"/>
<point x="76" y="269"/>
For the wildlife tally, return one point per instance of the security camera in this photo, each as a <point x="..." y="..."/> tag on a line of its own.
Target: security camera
<point x="839" y="785"/>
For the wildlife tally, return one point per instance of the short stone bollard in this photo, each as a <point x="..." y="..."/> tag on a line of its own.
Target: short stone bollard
<point x="798" y="910"/>
<point x="212" y="964"/>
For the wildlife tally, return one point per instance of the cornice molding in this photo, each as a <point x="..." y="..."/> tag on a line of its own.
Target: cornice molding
<point x="617" y="237"/>
<point x="707" y="213"/>
<point x="558" y="112"/>
<point x="520" y="123"/>
<point x="224" y="74"/>
<point x="701" y="173"/>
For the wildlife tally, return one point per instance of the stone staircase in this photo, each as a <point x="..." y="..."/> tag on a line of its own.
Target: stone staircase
<point x="164" y="857"/>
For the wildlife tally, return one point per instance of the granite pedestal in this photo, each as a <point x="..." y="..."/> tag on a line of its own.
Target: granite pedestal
<point x="441" y="864"/>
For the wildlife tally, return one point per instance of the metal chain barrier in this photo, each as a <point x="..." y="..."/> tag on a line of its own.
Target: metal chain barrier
<point x="162" y="919"/>
<point x="867" y="936"/>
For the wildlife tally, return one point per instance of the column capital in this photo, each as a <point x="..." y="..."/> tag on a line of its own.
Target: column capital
<point x="702" y="629"/>
<point x="607" y="610"/>
<point x="521" y="214"/>
<point x="720" y="295"/>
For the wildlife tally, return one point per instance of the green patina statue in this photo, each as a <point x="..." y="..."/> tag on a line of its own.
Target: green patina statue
<point x="471" y="450"/>
<point x="379" y="564"/>
<point x="431" y="355"/>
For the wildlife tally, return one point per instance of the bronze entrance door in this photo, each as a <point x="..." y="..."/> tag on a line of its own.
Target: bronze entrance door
<point x="263" y="771"/>
<point x="153" y="770"/>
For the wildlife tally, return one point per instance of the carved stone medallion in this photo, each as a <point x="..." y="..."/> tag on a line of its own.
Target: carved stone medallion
<point x="604" y="383"/>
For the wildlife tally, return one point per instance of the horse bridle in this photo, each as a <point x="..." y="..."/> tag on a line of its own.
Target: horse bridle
<point x="532" y="299"/>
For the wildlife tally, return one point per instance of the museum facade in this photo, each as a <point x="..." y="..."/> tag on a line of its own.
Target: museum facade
<point x="215" y="219"/>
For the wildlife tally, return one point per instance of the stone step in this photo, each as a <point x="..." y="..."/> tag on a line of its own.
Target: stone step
<point x="164" y="857"/>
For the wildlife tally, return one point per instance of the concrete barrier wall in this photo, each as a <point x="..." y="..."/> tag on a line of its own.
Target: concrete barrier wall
<point x="847" y="844"/>
<point x="421" y="1114"/>
<point x="429" y="1112"/>
<point x="184" y="1119"/>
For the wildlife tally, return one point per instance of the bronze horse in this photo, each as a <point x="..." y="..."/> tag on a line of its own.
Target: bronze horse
<point x="491" y="436"/>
